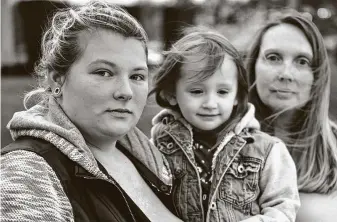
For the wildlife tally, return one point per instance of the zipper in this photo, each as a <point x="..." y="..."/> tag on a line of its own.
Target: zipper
<point x="222" y="176"/>
<point x="200" y="189"/>
<point x="112" y="181"/>
<point x="117" y="186"/>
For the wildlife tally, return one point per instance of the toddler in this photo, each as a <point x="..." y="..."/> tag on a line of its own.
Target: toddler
<point x="218" y="175"/>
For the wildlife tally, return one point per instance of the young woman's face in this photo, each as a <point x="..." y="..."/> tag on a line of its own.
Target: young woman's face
<point x="207" y="104"/>
<point x="283" y="69"/>
<point x="106" y="89"/>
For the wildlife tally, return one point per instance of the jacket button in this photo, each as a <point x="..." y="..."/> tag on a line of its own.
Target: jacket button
<point x="213" y="206"/>
<point x="170" y="145"/>
<point x="178" y="171"/>
<point x="241" y="169"/>
<point x="164" y="188"/>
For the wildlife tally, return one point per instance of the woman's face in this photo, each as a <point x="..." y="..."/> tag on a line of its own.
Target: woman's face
<point x="283" y="69"/>
<point x="105" y="91"/>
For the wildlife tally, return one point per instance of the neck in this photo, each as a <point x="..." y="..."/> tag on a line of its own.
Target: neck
<point x="284" y="124"/>
<point x="99" y="147"/>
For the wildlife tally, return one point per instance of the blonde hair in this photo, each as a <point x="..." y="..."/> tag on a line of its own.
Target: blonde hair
<point x="60" y="48"/>
<point x="212" y="47"/>
<point x="313" y="136"/>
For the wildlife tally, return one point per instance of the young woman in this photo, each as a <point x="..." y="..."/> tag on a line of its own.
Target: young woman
<point x="68" y="161"/>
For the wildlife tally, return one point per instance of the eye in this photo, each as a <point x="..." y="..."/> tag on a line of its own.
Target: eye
<point x="223" y="92"/>
<point x="303" y="61"/>
<point x="273" y="57"/>
<point x="196" y="91"/>
<point x="138" y="77"/>
<point x="104" y="73"/>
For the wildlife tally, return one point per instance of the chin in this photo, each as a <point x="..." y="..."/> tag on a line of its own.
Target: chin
<point x="206" y="128"/>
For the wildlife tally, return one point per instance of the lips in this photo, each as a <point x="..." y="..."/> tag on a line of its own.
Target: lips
<point x="120" y="111"/>
<point x="282" y="90"/>
<point x="207" y="115"/>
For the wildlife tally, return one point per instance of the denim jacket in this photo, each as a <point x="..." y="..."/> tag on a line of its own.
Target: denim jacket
<point x="253" y="175"/>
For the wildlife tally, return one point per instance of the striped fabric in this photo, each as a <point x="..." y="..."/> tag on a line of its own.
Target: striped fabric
<point x="32" y="190"/>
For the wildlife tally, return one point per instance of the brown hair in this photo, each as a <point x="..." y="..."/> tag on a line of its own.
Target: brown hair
<point x="314" y="138"/>
<point x="60" y="48"/>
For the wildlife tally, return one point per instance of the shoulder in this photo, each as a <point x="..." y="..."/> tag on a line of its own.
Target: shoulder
<point x="265" y="146"/>
<point x="25" y="167"/>
<point x="29" y="184"/>
<point x="264" y="140"/>
<point x="262" y="136"/>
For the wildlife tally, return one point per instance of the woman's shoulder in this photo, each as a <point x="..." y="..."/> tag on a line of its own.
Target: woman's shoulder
<point x="25" y="164"/>
<point x="30" y="185"/>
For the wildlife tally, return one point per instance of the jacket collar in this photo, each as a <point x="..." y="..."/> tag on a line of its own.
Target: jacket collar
<point x="181" y="131"/>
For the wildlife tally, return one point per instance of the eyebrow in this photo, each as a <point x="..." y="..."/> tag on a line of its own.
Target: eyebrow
<point x="113" y="65"/>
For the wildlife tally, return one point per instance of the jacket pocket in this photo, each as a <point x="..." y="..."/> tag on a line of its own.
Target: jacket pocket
<point x="240" y="183"/>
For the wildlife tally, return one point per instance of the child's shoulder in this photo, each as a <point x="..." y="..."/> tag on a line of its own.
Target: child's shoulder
<point x="262" y="139"/>
<point x="259" y="143"/>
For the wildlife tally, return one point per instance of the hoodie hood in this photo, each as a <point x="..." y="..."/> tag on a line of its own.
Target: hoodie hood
<point x="48" y="121"/>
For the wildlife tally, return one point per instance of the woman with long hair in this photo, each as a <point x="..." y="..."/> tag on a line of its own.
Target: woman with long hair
<point x="290" y="79"/>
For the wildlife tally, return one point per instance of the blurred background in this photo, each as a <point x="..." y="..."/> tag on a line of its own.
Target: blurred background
<point x="22" y="23"/>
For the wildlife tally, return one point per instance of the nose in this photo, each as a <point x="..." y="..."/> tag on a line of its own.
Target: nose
<point x="210" y="102"/>
<point x="124" y="91"/>
<point x="287" y="73"/>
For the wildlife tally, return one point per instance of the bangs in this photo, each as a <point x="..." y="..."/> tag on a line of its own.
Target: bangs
<point x="207" y="57"/>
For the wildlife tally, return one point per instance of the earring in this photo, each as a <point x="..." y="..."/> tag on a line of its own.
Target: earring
<point x="57" y="92"/>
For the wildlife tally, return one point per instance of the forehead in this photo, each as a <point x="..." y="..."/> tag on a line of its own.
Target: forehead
<point x="286" y="37"/>
<point x="101" y="44"/>
<point x="226" y="72"/>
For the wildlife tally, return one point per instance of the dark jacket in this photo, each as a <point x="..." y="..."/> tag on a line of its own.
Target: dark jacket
<point x="50" y="174"/>
<point x="98" y="200"/>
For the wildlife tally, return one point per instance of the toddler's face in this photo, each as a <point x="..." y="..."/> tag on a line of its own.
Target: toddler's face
<point x="207" y="104"/>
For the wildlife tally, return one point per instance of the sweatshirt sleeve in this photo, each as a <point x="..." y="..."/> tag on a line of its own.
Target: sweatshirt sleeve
<point x="30" y="190"/>
<point x="279" y="200"/>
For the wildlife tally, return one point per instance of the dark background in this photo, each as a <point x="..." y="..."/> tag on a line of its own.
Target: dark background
<point x="22" y="23"/>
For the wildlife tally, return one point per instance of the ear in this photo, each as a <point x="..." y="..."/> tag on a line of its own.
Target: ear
<point x="55" y="79"/>
<point x="235" y="102"/>
<point x="170" y="97"/>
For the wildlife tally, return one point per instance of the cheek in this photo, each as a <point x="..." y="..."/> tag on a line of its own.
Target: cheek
<point x="140" y="93"/>
<point x="264" y="75"/>
<point x="306" y="78"/>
